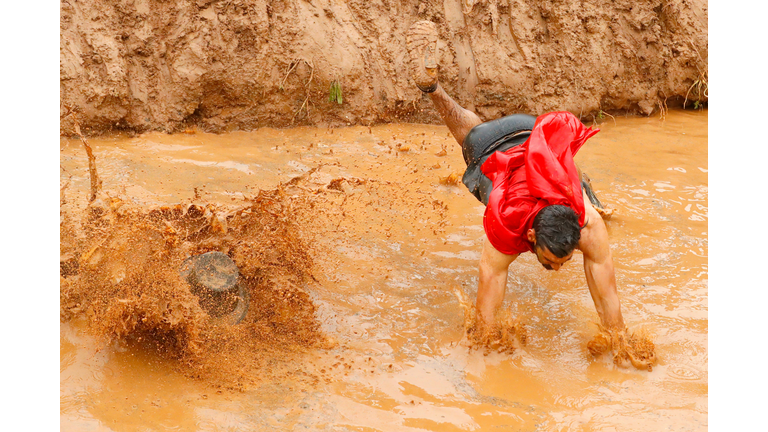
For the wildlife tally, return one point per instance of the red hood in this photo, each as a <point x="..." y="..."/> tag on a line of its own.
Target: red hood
<point x="531" y="176"/>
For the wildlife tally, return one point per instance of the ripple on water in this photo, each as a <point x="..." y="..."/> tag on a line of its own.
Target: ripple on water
<point x="684" y="373"/>
<point x="467" y="255"/>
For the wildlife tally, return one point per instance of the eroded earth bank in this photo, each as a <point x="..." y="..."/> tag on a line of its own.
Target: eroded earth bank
<point x="142" y="65"/>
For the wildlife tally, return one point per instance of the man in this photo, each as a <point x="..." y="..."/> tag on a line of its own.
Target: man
<point x="522" y="169"/>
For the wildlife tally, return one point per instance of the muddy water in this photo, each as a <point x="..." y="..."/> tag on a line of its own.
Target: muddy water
<point x="387" y="281"/>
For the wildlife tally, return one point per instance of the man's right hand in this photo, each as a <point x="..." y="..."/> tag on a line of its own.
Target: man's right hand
<point x="493" y="283"/>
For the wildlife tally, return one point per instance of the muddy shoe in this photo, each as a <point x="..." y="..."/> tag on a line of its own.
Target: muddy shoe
<point x="421" y="42"/>
<point x="213" y="277"/>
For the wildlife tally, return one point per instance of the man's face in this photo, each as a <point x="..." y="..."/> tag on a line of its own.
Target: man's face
<point x="549" y="260"/>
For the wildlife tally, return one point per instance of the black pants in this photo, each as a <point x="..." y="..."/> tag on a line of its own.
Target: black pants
<point x="484" y="140"/>
<point x="499" y="135"/>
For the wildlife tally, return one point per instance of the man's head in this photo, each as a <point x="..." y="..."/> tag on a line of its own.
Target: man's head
<point x="555" y="233"/>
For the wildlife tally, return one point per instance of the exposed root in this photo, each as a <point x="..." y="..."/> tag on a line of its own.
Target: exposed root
<point x="305" y="104"/>
<point x="291" y="67"/>
<point x="663" y="109"/>
<point x="600" y="116"/>
<point x="701" y="86"/>
<point x="612" y="117"/>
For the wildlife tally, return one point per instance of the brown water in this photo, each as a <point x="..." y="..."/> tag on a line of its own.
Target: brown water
<point x="387" y="277"/>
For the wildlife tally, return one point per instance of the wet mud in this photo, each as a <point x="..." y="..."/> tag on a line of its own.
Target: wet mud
<point x="361" y="264"/>
<point x="636" y="349"/>
<point x="121" y="272"/>
<point x="504" y="336"/>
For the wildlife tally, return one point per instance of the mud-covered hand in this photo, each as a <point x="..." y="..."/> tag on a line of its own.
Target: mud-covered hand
<point x="634" y="349"/>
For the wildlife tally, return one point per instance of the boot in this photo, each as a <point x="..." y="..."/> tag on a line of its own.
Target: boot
<point x="421" y="42"/>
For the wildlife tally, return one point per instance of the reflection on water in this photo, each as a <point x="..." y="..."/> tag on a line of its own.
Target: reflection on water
<point x="387" y="296"/>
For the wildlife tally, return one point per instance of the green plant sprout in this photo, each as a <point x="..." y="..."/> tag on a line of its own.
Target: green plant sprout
<point x="335" y="92"/>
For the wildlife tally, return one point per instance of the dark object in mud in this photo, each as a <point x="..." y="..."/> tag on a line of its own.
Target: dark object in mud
<point x="214" y="278"/>
<point x="587" y="185"/>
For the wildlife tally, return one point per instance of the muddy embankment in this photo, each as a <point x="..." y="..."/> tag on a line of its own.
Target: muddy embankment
<point x="141" y="65"/>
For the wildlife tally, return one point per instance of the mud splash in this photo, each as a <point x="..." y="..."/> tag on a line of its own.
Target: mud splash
<point x="506" y="335"/>
<point x="635" y="349"/>
<point x="120" y="271"/>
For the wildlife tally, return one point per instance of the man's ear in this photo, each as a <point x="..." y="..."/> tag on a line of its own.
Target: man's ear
<point x="532" y="236"/>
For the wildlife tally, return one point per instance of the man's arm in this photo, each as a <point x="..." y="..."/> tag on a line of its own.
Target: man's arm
<point x="598" y="269"/>
<point x="493" y="281"/>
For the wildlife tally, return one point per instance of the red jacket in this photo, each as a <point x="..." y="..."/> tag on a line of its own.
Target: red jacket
<point x="531" y="176"/>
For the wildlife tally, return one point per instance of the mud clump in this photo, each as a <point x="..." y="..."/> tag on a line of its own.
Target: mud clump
<point x="452" y="179"/>
<point x="120" y="271"/>
<point x="506" y="335"/>
<point x="636" y="349"/>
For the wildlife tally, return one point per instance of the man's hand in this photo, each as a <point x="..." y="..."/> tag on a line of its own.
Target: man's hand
<point x="636" y="349"/>
<point x="598" y="269"/>
<point x="493" y="283"/>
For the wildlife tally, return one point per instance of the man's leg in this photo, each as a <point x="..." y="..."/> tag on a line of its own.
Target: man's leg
<point x="586" y="184"/>
<point x="421" y="41"/>
<point x="459" y="120"/>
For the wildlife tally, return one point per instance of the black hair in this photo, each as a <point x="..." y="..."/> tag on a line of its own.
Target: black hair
<point x="557" y="228"/>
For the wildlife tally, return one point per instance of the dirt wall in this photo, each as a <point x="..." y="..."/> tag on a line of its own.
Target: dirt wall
<point x="240" y="64"/>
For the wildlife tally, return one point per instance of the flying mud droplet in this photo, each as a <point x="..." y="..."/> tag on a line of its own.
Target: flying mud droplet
<point x="120" y="271"/>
